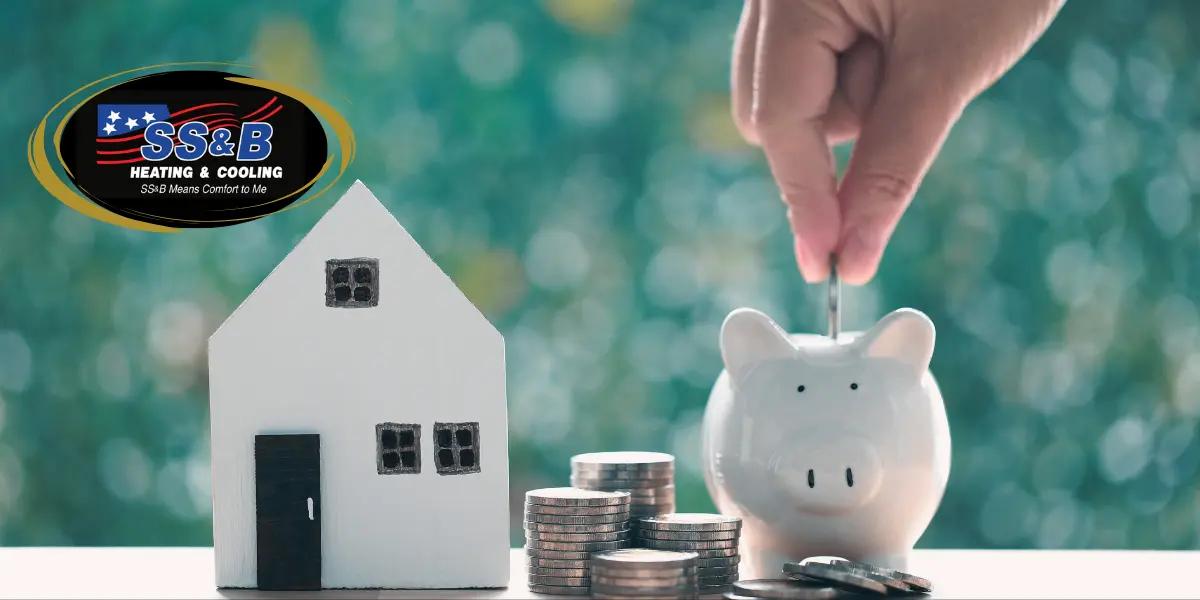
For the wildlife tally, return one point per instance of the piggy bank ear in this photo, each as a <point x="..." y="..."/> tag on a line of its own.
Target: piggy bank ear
<point x="905" y="335"/>
<point x="749" y="337"/>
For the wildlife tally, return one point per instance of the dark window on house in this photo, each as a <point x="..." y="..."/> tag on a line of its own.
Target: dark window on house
<point x="352" y="282"/>
<point x="457" y="448"/>
<point x="398" y="448"/>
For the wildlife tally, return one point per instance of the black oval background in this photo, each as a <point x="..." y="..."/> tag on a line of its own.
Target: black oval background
<point x="299" y="146"/>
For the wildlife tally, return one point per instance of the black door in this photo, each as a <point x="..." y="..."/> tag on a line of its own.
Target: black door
<point x="287" y="479"/>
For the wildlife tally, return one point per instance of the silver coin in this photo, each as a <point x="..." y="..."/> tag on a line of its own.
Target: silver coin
<point x="577" y="546"/>
<point x="688" y="545"/>
<point x="569" y="496"/>
<point x="707" y="563"/>
<point x="782" y="589"/>
<point x="715" y="553"/>
<point x="661" y="490"/>
<point x="643" y="557"/>
<point x="556" y="528"/>
<point x="642" y="504"/>
<point x="533" y="553"/>
<point x="545" y="509"/>
<point x="619" y="581"/>
<point x="722" y="580"/>
<point x="626" y="459"/>
<point x="605" y="591"/>
<point x="692" y="522"/>
<point x="655" y="503"/>
<point x="695" y="536"/>
<point x="557" y="572"/>
<point x="919" y="584"/>
<point x="564" y="581"/>
<point x="652" y="511"/>
<point x="622" y="595"/>
<point x="599" y="536"/>
<point x="554" y="563"/>
<point x="716" y="571"/>
<point x="576" y="519"/>
<point x="840" y="576"/>
<point x="645" y="573"/>
<point x="871" y="572"/>
<point x="645" y="593"/>
<point x="559" y="590"/>
<point x="618" y="484"/>
<point x="835" y="299"/>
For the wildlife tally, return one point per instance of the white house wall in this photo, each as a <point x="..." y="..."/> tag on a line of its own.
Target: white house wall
<point x="286" y="363"/>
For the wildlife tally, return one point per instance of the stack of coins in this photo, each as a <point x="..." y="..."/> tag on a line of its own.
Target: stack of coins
<point x="642" y="573"/>
<point x="563" y="527"/>
<point x="714" y="538"/>
<point x="649" y="477"/>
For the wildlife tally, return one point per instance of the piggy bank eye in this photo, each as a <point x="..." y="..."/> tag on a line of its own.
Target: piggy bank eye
<point x="800" y="388"/>
<point x="853" y="386"/>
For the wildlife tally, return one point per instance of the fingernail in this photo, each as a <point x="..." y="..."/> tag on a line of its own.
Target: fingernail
<point x="859" y="257"/>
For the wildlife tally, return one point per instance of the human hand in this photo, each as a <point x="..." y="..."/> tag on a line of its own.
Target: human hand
<point x="894" y="75"/>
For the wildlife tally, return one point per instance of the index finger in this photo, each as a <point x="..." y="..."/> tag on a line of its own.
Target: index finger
<point x="794" y="80"/>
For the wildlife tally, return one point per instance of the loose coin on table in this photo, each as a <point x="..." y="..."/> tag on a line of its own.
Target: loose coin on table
<point x="782" y="589"/>
<point x="917" y="584"/>
<point x="841" y="576"/>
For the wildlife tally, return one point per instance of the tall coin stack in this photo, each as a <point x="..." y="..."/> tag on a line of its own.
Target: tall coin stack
<point x="563" y="527"/>
<point x="649" y="477"/>
<point x="714" y="539"/>
<point x="642" y="573"/>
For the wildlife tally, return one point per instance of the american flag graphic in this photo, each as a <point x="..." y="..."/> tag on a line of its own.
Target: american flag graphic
<point x="119" y="126"/>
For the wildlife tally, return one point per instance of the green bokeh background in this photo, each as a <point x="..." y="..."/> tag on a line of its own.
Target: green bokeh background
<point x="573" y="167"/>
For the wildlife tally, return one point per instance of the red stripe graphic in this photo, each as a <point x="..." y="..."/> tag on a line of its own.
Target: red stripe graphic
<point x="261" y="108"/>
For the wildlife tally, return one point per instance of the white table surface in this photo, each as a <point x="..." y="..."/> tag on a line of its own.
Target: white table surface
<point x="188" y="573"/>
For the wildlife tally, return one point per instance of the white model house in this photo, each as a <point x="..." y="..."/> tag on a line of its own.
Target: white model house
<point x="359" y="426"/>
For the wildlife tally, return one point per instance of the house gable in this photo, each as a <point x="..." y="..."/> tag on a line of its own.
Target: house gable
<point x="291" y="361"/>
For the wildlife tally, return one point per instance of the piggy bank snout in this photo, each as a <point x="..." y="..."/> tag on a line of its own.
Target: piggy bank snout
<point x="828" y="473"/>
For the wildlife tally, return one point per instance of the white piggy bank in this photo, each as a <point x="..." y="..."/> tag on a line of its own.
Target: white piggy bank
<point x="826" y="448"/>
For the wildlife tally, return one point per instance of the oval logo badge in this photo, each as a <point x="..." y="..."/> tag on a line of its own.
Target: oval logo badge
<point x="188" y="148"/>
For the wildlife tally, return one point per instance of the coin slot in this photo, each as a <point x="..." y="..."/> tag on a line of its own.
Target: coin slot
<point x="812" y="479"/>
<point x="849" y="477"/>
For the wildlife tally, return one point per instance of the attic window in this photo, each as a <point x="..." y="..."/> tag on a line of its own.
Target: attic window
<point x="398" y="448"/>
<point x="457" y="448"/>
<point x="352" y="282"/>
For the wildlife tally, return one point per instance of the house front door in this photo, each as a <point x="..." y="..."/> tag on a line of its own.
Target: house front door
<point x="287" y="482"/>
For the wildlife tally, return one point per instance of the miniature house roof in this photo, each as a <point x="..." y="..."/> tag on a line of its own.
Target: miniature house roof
<point x="358" y="224"/>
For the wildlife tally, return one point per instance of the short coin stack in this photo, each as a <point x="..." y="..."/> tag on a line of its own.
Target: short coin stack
<point x="642" y="573"/>
<point x="563" y="527"/>
<point x="714" y="539"/>
<point x="649" y="477"/>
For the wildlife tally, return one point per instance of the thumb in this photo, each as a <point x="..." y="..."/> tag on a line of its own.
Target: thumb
<point x="898" y="141"/>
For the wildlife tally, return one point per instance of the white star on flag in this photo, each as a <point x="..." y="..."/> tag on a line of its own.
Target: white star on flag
<point x="108" y="128"/>
<point x="131" y="123"/>
<point x="114" y="115"/>
<point x="147" y="117"/>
